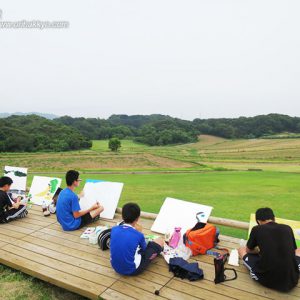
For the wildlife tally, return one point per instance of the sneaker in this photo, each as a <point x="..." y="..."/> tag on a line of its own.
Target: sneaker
<point x="52" y="208"/>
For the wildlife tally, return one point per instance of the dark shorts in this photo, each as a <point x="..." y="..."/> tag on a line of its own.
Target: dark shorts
<point x="152" y="251"/>
<point x="87" y="219"/>
<point x="15" y="213"/>
<point x="250" y="261"/>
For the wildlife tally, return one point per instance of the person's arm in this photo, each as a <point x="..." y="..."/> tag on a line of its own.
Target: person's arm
<point x="252" y="242"/>
<point x="10" y="204"/>
<point x="293" y="237"/>
<point x="77" y="212"/>
<point x="143" y="243"/>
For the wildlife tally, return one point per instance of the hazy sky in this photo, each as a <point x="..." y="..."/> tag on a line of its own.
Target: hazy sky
<point x="189" y="59"/>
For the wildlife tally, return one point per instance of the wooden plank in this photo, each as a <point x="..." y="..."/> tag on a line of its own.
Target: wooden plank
<point x="23" y="224"/>
<point x="61" y="279"/>
<point x="172" y="294"/>
<point x="14" y="227"/>
<point x="6" y="238"/>
<point x="194" y="291"/>
<point x="68" y="251"/>
<point x="224" y="290"/>
<point x="2" y="244"/>
<point x="30" y="220"/>
<point x="61" y="258"/>
<point x="73" y="245"/>
<point x="9" y="233"/>
<point x="110" y="294"/>
<point x="141" y="283"/>
<point x="134" y="292"/>
<point x="67" y="267"/>
<point x="49" y="220"/>
<point x="154" y="277"/>
<point x="65" y="235"/>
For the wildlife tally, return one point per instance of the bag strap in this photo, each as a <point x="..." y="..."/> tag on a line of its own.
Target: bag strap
<point x="234" y="271"/>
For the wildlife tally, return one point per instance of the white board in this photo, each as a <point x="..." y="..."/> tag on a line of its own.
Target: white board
<point x="105" y="192"/>
<point x="43" y="189"/>
<point x="179" y="213"/>
<point x="18" y="176"/>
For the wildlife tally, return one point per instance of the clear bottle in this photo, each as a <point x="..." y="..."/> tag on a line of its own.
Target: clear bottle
<point x="175" y="238"/>
<point x="44" y="206"/>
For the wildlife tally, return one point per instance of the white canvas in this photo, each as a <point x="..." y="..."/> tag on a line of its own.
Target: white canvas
<point x="19" y="177"/>
<point x="105" y="192"/>
<point x="179" y="213"/>
<point x="43" y="189"/>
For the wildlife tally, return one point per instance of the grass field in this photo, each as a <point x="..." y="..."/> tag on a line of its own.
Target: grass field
<point x="234" y="176"/>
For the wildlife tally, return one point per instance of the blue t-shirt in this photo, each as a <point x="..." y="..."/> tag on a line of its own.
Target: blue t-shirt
<point x="125" y="243"/>
<point x="67" y="203"/>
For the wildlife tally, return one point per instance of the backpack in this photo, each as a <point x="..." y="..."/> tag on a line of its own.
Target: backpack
<point x="104" y="239"/>
<point x="200" y="238"/>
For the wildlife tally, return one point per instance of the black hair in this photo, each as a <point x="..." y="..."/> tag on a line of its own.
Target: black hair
<point x="5" y="180"/>
<point x="130" y="212"/>
<point x="71" y="176"/>
<point x="265" y="213"/>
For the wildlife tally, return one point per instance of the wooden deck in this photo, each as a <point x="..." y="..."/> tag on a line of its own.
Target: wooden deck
<point x="37" y="246"/>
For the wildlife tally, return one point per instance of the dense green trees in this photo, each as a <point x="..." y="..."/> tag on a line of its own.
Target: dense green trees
<point x="253" y="127"/>
<point x="33" y="133"/>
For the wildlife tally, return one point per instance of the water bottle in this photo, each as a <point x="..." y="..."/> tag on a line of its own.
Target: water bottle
<point x="175" y="238"/>
<point x="44" y="206"/>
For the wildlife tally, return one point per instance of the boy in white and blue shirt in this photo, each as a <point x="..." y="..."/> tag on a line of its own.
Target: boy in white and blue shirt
<point x="130" y="254"/>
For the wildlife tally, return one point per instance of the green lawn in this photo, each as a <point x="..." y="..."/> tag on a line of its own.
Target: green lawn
<point x="234" y="195"/>
<point x="15" y="285"/>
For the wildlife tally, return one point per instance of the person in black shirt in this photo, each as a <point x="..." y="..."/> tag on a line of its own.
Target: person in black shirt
<point x="9" y="210"/>
<point x="271" y="253"/>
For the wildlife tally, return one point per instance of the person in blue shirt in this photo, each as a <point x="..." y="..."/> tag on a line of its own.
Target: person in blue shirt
<point x="129" y="253"/>
<point x="68" y="211"/>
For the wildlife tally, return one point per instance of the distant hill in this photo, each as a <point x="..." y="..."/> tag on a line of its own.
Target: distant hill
<point x="34" y="133"/>
<point x="47" y="116"/>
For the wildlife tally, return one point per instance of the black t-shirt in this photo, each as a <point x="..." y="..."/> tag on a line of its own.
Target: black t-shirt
<point x="277" y="267"/>
<point x="4" y="204"/>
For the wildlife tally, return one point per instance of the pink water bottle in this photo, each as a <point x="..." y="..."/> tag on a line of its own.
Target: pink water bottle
<point x="175" y="238"/>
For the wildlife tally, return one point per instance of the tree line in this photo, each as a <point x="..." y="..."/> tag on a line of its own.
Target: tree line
<point x="34" y="133"/>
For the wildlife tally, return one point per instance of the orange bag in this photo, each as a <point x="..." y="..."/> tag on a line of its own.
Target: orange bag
<point x="200" y="240"/>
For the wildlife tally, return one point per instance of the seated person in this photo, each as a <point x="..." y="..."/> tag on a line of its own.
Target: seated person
<point x="52" y="206"/>
<point x="130" y="255"/>
<point x="9" y="210"/>
<point x="68" y="211"/>
<point x="274" y="264"/>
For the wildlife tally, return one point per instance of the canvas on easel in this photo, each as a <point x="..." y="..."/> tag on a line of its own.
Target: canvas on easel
<point x="43" y="189"/>
<point x="105" y="192"/>
<point x="295" y="225"/>
<point x="19" y="178"/>
<point x="180" y="213"/>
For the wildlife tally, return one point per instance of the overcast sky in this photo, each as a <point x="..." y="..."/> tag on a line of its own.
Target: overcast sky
<point x="189" y="59"/>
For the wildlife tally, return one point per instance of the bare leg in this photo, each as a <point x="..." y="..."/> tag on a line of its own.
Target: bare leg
<point x="297" y="252"/>
<point x="96" y="212"/>
<point x="242" y="252"/>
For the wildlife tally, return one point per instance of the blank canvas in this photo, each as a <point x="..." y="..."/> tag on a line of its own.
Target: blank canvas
<point x="106" y="193"/>
<point x="43" y="189"/>
<point x="179" y="213"/>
